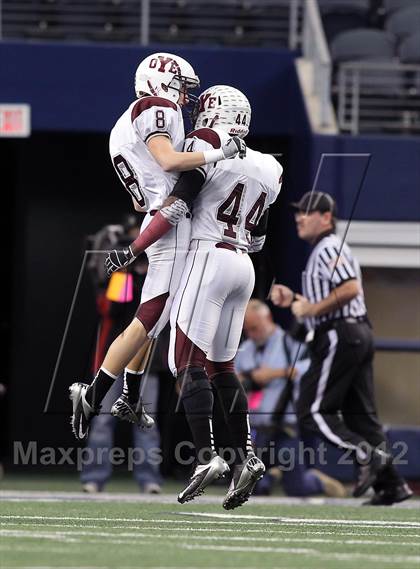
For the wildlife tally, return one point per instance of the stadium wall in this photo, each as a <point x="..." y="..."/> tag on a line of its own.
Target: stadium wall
<point x="60" y="186"/>
<point x="391" y="190"/>
<point x="87" y="87"/>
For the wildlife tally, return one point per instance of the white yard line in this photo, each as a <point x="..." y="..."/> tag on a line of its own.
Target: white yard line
<point x="306" y="521"/>
<point x="33" y="548"/>
<point x="233" y="519"/>
<point x="117" y="538"/>
<point x="310" y="552"/>
<point x="57" y="536"/>
<point x="238" y="548"/>
<point x="66" y="537"/>
<point x="278" y="530"/>
<point x="47" y="496"/>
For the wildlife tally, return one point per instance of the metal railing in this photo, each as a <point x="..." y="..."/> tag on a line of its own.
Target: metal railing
<point x="378" y="97"/>
<point x="226" y="22"/>
<point x="315" y="49"/>
<point x="397" y="345"/>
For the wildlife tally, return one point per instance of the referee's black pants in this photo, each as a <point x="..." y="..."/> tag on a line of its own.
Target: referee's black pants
<point x="336" y="397"/>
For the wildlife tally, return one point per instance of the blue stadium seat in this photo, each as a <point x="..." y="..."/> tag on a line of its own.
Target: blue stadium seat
<point x="393" y="5"/>
<point x="344" y="6"/>
<point x="363" y="44"/>
<point x="410" y="49"/>
<point x="366" y="45"/>
<point x="404" y="22"/>
<point x="342" y="15"/>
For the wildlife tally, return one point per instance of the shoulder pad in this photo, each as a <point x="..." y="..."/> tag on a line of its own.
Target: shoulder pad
<point x="208" y="135"/>
<point x="148" y="102"/>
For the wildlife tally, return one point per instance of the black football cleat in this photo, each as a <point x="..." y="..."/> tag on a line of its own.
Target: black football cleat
<point x="368" y="473"/>
<point x="389" y="496"/>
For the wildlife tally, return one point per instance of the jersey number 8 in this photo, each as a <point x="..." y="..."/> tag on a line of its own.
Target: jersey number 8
<point x="160" y="119"/>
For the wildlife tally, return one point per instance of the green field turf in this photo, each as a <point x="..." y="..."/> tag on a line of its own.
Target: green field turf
<point x="81" y="533"/>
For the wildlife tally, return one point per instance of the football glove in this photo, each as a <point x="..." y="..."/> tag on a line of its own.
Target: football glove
<point x="233" y="147"/>
<point x="116" y="260"/>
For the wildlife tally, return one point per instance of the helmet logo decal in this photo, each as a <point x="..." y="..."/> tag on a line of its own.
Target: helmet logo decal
<point x="152" y="90"/>
<point x="162" y="62"/>
<point x="208" y="99"/>
<point x="213" y="121"/>
<point x="224" y="108"/>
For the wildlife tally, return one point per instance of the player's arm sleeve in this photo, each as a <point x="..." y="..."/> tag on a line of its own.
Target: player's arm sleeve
<point x="261" y="229"/>
<point x="188" y="186"/>
<point x="182" y="196"/>
<point x="258" y="234"/>
<point x="175" y="208"/>
<point x="190" y="183"/>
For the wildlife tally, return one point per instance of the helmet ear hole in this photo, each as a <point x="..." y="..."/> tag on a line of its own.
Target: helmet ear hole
<point x="164" y="87"/>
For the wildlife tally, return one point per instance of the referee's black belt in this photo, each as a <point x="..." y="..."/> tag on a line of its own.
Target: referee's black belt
<point x="324" y="326"/>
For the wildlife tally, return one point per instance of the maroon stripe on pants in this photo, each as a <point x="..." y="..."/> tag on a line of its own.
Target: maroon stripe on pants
<point x="187" y="354"/>
<point x="223" y="245"/>
<point x="150" y="311"/>
<point x="214" y="368"/>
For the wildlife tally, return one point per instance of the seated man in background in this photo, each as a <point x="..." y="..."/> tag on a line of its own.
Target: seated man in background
<point x="267" y="362"/>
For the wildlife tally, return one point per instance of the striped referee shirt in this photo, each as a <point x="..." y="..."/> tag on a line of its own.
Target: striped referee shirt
<point x="331" y="264"/>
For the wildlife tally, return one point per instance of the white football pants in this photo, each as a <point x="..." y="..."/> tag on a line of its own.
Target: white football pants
<point x="209" y="307"/>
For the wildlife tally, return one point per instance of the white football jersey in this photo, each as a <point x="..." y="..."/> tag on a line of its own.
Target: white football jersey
<point x="235" y="193"/>
<point x="141" y="175"/>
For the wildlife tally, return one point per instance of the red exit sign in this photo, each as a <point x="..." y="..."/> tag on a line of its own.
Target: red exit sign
<point x="15" y="120"/>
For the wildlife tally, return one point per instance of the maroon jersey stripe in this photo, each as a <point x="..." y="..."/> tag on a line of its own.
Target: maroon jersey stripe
<point x="208" y="135"/>
<point x="148" y="102"/>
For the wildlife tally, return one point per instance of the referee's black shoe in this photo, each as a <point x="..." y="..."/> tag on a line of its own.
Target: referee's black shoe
<point x="389" y="496"/>
<point x="368" y="473"/>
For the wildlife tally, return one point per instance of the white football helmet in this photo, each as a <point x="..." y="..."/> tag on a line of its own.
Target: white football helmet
<point x="164" y="75"/>
<point x="223" y="107"/>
